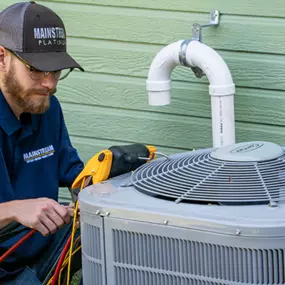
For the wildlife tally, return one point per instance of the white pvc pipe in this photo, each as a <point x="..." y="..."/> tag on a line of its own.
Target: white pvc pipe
<point x="221" y="89"/>
<point x="159" y="81"/>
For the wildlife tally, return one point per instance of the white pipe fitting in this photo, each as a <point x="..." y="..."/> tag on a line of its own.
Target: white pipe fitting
<point x="221" y="89"/>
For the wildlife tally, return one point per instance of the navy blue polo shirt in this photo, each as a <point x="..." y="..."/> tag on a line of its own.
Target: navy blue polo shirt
<point x="36" y="158"/>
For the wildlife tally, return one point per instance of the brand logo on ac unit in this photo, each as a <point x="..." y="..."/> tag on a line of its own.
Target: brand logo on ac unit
<point x="247" y="148"/>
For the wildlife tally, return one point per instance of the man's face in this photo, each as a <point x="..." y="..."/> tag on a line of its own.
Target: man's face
<point x="29" y="95"/>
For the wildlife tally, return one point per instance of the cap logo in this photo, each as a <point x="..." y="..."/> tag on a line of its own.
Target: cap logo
<point x="49" y="36"/>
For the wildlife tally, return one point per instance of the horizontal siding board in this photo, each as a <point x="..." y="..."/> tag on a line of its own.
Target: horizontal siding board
<point x="248" y="70"/>
<point x="255" y="106"/>
<point x="64" y="195"/>
<point x="243" y="7"/>
<point x="163" y="27"/>
<point x="153" y="128"/>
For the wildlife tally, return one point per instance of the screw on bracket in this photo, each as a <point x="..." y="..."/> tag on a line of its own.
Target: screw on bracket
<point x="197" y="35"/>
<point x="273" y="204"/>
<point x="197" y="28"/>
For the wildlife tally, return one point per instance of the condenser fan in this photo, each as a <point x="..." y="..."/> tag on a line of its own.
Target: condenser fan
<point x="242" y="174"/>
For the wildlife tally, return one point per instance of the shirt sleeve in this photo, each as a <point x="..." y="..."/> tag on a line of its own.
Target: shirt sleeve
<point x="70" y="164"/>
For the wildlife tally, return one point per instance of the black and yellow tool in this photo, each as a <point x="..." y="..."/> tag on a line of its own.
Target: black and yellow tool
<point x="114" y="161"/>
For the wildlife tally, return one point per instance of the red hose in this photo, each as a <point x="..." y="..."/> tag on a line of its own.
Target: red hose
<point x="16" y="245"/>
<point x="59" y="264"/>
<point x="28" y="235"/>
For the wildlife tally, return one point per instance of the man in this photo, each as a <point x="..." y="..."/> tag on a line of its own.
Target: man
<point x="36" y="155"/>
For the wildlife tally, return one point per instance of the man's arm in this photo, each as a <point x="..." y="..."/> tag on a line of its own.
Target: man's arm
<point x="43" y="214"/>
<point x="6" y="214"/>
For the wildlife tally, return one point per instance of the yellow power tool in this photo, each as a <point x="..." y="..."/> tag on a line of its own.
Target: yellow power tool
<point x="114" y="161"/>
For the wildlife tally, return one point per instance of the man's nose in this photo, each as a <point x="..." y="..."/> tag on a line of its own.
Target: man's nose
<point x="49" y="81"/>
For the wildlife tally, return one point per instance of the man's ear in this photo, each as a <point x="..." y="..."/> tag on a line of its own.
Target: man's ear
<point x="3" y="59"/>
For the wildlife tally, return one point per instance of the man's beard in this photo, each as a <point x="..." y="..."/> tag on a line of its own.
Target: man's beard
<point x="28" y="100"/>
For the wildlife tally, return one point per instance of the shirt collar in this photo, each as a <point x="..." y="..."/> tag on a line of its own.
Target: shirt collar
<point x="8" y="120"/>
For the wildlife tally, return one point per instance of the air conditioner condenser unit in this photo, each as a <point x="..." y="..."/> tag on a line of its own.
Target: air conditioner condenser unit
<point x="212" y="216"/>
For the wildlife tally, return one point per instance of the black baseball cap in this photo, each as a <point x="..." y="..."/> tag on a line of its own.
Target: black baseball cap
<point x="36" y="34"/>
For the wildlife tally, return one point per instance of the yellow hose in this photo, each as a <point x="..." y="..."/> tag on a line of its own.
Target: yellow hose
<point x="73" y="233"/>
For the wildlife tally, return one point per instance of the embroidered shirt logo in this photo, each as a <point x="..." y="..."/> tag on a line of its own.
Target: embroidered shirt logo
<point x="39" y="154"/>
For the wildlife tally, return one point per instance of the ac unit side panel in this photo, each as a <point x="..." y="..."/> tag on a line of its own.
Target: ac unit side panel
<point x="93" y="247"/>
<point x="145" y="254"/>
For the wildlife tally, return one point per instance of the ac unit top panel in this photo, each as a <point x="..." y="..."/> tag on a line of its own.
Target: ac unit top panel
<point x="116" y="199"/>
<point x="202" y="190"/>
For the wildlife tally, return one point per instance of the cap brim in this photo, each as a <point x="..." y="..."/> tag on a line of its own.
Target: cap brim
<point x="50" y="61"/>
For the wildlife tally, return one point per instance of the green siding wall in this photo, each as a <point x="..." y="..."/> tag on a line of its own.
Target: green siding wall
<point x="116" y="40"/>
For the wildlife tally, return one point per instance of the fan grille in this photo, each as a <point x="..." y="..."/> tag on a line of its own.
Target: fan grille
<point x="198" y="177"/>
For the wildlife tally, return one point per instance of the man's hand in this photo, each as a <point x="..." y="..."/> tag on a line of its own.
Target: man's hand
<point x="43" y="214"/>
